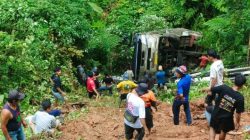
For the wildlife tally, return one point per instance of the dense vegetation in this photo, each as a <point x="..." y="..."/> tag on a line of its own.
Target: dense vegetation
<point x="36" y="36"/>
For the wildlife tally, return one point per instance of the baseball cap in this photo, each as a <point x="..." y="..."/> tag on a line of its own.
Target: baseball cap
<point x="181" y="70"/>
<point x="142" y="89"/>
<point x="14" y="94"/>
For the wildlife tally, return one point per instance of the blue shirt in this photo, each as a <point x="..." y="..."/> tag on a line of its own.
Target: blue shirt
<point x="183" y="87"/>
<point x="160" y="76"/>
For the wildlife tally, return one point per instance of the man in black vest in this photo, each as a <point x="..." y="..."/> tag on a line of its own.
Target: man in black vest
<point x="11" y="117"/>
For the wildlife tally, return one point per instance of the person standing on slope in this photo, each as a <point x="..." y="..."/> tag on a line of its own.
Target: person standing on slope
<point x="216" y="79"/>
<point x="134" y="116"/>
<point x="182" y="95"/>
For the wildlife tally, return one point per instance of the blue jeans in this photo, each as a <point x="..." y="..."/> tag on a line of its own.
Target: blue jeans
<point x="208" y="116"/>
<point x="58" y="96"/>
<point x="176" y="111"/>
<point x="17" y="135"/>
<point x="106" y="88"/>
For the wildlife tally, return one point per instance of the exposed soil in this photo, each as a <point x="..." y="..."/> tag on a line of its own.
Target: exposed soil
<point x="103" y="123"/>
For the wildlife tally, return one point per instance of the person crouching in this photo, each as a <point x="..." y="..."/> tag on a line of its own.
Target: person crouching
<point x="42" y="121"/>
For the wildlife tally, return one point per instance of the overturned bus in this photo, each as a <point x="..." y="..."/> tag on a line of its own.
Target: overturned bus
<point x="169" y="48"/>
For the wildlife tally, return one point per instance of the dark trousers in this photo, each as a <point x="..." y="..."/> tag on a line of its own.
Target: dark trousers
<point x="91" y="94"/>
<point x="176" y="111"/>
<point x="149" y="117"/>
<point x="130" y="130"/>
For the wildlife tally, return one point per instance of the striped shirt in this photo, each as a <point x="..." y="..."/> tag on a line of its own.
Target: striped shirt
<point x="43" y="122"/>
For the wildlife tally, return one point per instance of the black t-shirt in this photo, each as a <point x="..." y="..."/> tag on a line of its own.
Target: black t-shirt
<point x="57" y="82"/>
<point x="108" y="80"/>
<point x="227" y="102"/>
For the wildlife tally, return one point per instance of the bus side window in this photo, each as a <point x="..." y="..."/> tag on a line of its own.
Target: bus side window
<point x="142" y="58"/>
<point x="149" y="59"/>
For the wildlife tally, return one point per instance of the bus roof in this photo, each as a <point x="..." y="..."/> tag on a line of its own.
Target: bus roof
<point x="174" y="33"/>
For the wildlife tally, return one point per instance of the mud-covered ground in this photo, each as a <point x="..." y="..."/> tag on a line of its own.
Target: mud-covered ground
<point x="106" y="123"/>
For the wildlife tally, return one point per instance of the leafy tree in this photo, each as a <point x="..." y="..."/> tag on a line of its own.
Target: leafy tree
<point x="35" y="38"/>
<point x="148" y="23"/>
<point x="229" y="32"/>
<point x="101" y="46"/>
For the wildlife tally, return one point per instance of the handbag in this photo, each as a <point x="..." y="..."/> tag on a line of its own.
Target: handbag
<point x="130" y="117"/>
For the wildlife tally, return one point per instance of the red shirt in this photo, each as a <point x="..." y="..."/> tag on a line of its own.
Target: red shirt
<point x="90" y="84"/>
<point x="204" y="60"/>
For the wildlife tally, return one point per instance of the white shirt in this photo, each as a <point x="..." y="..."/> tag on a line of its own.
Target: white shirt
<point x="137" y="107"/>
<point x="43" y="121"/>
<point x="216" y="71"/>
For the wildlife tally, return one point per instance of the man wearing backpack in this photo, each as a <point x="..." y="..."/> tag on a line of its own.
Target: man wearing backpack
<point x="134" y="116"/>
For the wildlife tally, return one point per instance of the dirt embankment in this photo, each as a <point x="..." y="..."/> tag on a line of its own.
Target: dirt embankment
<point x="107" y="124"/>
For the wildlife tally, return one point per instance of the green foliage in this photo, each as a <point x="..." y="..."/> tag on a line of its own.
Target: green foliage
<point x="229" y="32"/>
<point x="104" y="40"/>
<point x="246" y="136"/>
<point x="107" y="101"/>
<point x="195" y="90"/>
<point x="95" y="7"/>
<point x="35" y="38"/>
<point x="47" y="19"/>
<point x="20" y="68"/>
<point x="76" y="114"/>
<point x="101" y="49"/>
<point x="148" y="23"/>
